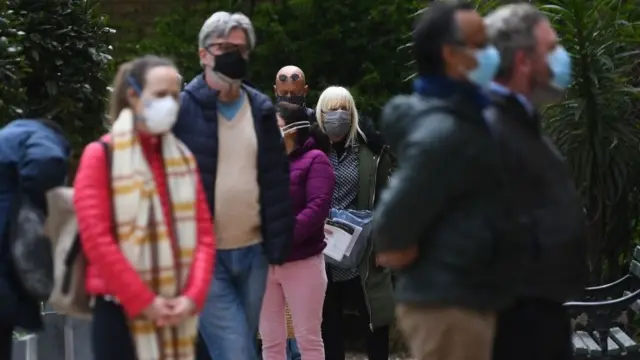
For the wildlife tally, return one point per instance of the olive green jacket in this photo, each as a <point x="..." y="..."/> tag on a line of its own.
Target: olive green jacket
<point x="374" y="174"/>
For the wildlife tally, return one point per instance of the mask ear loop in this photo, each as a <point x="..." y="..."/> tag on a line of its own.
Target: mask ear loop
<point x="134" y="84"/>
<point x="136" y="87"/>
<point x="295" y="126"/>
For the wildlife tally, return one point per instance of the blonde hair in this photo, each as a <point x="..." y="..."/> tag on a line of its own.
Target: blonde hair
<point x="335" y="98"/>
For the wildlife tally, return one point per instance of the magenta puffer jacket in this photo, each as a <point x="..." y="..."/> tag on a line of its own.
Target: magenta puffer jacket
<point x="311" y="188"/>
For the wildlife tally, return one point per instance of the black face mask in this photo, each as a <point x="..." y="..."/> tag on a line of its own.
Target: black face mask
<point x="231" y="64"/>
<point x="292" y="99"/>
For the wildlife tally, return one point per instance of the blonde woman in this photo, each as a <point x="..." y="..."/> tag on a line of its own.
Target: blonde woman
<point x="144" y="222"/>
<point x="362" y="166"/>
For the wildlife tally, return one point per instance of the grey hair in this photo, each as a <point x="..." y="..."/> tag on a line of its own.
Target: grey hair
<point x="221" y="23"/>
<point x="510" y="28"/>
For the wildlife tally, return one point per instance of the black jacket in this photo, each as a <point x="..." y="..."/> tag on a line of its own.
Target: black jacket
<point x="448" y="196"/>
<point x="547" y="199"/>
<point x="197" y="127"/>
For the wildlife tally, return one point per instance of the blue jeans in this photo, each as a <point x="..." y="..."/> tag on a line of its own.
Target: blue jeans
<point x="229" y="320"/>
<point x="293" y="353"/>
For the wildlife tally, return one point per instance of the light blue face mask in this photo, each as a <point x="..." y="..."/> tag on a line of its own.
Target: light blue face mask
<point x="559" y="62"/>
<point x="488" y="60"/>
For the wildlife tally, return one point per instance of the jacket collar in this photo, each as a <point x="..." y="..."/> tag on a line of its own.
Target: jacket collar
<point x="446" y="88"/>
<point x="308" y="145"/>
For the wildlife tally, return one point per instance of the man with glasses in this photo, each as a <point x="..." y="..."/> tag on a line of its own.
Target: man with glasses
<point x="536" y="71"/>
<point x="445" y="222"/>
<point x="291" y="86"/>
<point x="232" y="130"/>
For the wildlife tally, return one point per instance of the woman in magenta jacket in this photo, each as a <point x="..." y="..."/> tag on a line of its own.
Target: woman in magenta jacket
<point x="301" y="281"/>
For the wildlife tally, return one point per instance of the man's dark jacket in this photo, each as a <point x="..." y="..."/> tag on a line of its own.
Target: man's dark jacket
<point x="448" y="197"/>
<point x="197" y="127"/>
<point x="547" y="198"/>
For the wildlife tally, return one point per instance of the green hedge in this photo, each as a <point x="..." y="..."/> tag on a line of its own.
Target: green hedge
<point x="354" y="44"/>
<point x="53" y="61"/>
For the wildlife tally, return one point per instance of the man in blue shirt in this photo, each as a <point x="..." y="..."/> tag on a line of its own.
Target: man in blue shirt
<point x="232" y="130"/>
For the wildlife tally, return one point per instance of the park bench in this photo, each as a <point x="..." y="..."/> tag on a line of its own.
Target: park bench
<point x="602" y="316"/>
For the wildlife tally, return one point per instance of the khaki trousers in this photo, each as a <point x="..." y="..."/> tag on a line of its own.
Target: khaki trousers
<point x="447" y="333"/>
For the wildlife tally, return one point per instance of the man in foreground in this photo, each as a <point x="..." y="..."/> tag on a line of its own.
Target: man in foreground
<point x="444" y="222"/>
<point x="535" y="70"/>
<point x="232" y="130"/>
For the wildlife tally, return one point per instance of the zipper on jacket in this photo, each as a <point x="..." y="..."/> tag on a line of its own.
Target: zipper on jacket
<point x="375" y="178"/>
<point x="373" y="200"/>
<point x="364" y="291"/>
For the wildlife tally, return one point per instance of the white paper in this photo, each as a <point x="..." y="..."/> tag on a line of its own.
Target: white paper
<point x="340" y="237"/>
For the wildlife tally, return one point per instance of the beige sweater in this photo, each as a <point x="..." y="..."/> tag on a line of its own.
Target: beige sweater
<point x="237" y="208"/>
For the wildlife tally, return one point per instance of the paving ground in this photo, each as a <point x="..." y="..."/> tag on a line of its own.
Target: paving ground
<point x="353" y="356"/>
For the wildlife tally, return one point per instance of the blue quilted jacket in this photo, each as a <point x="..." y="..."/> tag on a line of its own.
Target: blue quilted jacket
<point x="197" y="127"/>
<point x="33" y="157"/>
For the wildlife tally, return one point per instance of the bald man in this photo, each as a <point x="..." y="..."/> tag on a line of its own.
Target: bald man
<point x="291" y="85"/>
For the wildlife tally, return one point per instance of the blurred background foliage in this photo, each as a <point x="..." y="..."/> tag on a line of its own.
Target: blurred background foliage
<point x="56" y="60"/>
<point x="351" y="43"/>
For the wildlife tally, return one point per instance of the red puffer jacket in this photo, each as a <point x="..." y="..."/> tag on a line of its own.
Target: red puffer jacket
<point x="109" y="272"/>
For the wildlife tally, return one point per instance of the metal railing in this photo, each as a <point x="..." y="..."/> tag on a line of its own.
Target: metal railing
<point x="58" y="341"/>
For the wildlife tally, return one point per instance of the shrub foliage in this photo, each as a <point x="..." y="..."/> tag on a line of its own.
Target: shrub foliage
<point x="54" y="65"/>
<point x="352" y="43"/>
<point x="54" y="55"/>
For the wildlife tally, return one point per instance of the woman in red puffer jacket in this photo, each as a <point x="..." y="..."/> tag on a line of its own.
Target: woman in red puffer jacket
<point x="144" y="222"/>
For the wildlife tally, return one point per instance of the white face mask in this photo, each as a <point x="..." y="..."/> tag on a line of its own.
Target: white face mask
<point x="159" y="115"/>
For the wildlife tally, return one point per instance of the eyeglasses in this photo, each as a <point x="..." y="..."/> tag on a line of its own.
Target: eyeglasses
<point x="227" y="47"/>
<point x="293" y="77"/>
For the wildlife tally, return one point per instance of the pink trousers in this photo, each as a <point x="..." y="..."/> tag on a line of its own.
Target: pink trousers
<point x="302" y="285"/>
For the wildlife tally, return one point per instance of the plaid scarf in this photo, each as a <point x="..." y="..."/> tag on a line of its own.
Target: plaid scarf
<point x="144" y="237"/>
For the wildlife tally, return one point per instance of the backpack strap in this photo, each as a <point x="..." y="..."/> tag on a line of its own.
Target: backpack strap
<point x="76" y="247"/>
<point x="109" y="156"/>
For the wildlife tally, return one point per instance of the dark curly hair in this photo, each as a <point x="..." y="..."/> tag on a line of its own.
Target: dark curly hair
<point x="292" y="113"/>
